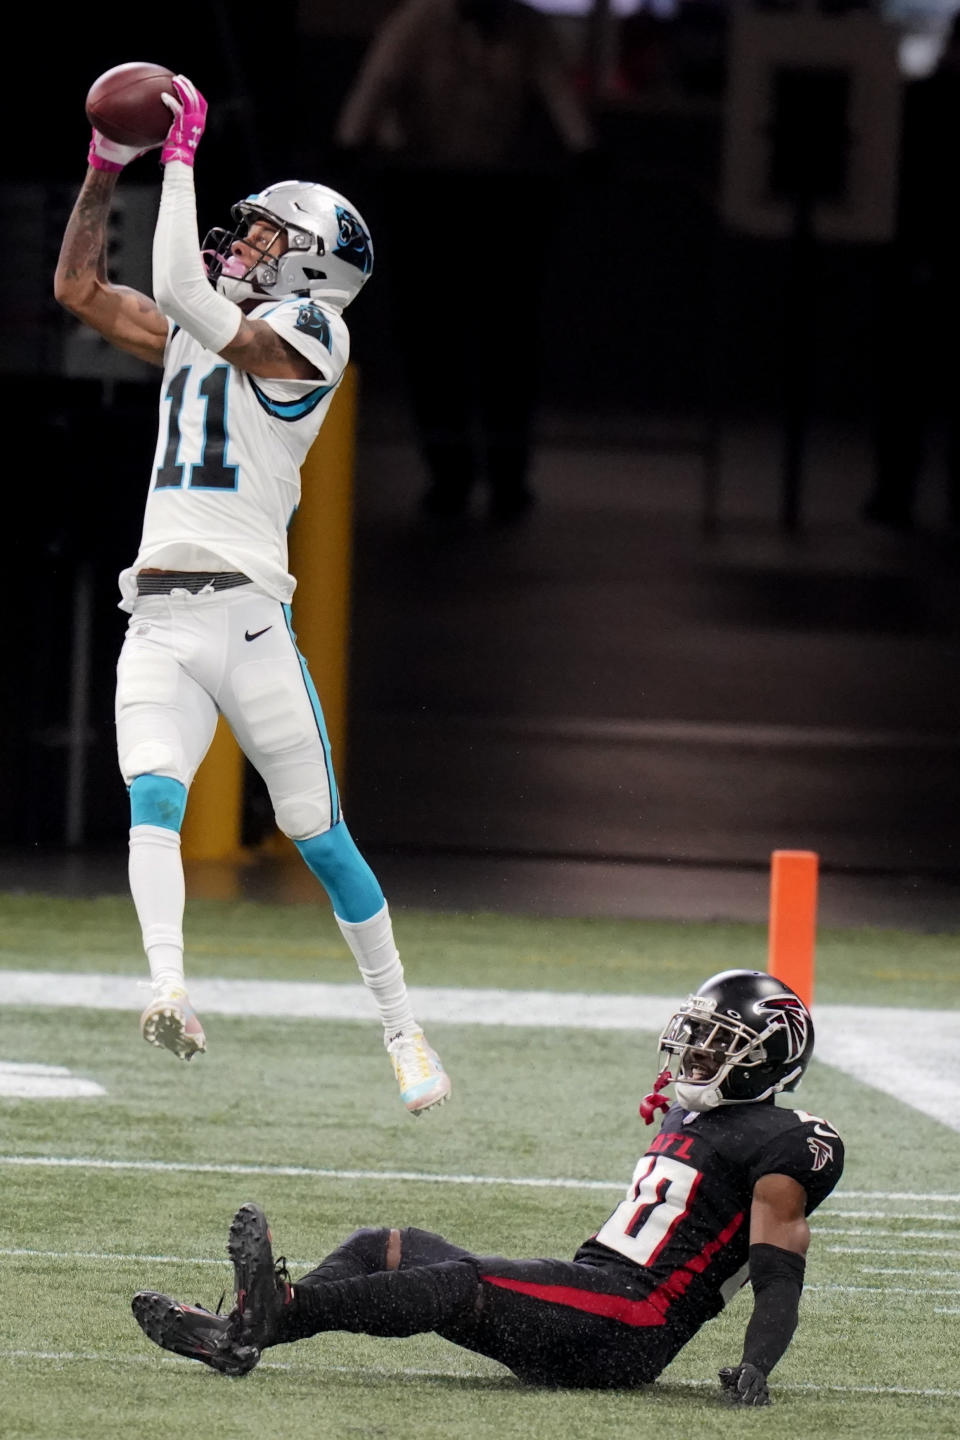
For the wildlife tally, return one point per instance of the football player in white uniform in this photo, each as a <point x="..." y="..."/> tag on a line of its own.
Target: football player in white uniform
<point x="250" y="334"/>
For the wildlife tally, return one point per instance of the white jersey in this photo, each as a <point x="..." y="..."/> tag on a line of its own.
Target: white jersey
<point x="226" y="474"/>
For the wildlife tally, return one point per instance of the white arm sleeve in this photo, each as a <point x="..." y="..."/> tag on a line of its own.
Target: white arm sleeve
<point x="180" y="285"/>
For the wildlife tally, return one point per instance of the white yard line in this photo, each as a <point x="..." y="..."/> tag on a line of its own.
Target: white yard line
<point x="909" y="1270"/>
<point x="303" y="1000"/>
<point x="109" y="1256"/>
<point x="103" y="1257"/>
<point x="536" y="1182"/>
<point x="87" y="1162"/>
<point x="880" y="1290"/>
<point x="887" y="1214"/>
<point x="938" y="1255"/>
<point x="825" y="1232"/>
<point x="887" y="1048"/>
<point x="939" y="1197"/>
<point x="17" y="1253"/>
<point x="114" y="1357"/>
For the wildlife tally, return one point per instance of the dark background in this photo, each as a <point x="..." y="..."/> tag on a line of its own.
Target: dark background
<point x="660" y="320"/>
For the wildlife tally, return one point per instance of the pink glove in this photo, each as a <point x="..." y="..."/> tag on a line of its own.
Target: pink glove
<point x="189" y="110"/>
<point x="106" y="154"/>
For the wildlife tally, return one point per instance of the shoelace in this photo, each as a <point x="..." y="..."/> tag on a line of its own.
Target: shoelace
<point x="413" y="1055"/>
<point x="197" y="1306"/>
<point x="232" y="1335"/>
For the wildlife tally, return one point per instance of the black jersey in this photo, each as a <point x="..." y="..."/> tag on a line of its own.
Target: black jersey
<point x="682" y="1232"/>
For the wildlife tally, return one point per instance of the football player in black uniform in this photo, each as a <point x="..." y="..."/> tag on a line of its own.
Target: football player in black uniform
<point x="721" y="1197"/>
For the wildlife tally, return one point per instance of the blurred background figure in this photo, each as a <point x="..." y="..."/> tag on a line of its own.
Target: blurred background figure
<point x="919" y="319"/>
<point x="467" y="109"/>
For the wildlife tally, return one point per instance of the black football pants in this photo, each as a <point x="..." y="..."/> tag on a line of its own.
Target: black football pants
<point x="549" y="1321"/>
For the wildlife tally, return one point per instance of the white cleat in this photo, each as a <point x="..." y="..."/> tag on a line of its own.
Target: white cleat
<point x="171" y="1022"/>
<point x="422" y="1079"/>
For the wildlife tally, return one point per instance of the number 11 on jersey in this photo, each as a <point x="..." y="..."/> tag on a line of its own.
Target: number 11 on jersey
<point x="661" y="1194"/>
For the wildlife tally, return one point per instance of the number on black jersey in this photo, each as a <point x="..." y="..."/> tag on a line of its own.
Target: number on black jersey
<point x="660" y="1196"/>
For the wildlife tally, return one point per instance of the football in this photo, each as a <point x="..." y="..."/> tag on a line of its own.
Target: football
<point x="124" y="103"/>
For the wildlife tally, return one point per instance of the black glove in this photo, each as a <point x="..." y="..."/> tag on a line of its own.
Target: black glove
<point x="744" y="1385"/>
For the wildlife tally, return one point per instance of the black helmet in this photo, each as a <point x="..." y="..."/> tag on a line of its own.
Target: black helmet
<point x="742" y="1037"/>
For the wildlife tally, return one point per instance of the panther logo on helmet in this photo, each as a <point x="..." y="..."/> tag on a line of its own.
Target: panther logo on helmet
<point x="353" y="242"/>
<point x="326" y="254"/>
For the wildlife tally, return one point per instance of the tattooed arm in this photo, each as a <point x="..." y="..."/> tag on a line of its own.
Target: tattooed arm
<point x="125" y="317"/>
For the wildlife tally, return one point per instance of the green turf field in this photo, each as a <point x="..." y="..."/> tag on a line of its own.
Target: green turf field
<point x="135" y="1188"/>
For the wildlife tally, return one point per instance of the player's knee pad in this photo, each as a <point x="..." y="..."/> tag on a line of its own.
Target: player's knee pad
<point x="157" y="800"/>
<point x="369" y="1248"/>
<point x="148" y="757"/>
<point x="298" y="816"/>
<point x="425" y="1247"/>
<point x="342" y="871"/>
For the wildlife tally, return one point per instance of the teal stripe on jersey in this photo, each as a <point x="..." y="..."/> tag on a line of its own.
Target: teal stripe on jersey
<point x="290" y="409"/>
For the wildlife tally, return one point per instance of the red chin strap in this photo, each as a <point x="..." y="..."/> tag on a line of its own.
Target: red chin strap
<point x="653" y="1102"/>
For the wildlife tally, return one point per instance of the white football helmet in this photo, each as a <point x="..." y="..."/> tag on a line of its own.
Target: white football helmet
<point x="329" y="252"/>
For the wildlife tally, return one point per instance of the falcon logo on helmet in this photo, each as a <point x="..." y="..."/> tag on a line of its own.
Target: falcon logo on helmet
<point x="742" y="1038"/>
<point x="795" y="1018"/>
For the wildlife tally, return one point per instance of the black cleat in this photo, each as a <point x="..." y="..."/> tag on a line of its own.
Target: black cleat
<point x="193" y="1332"/>
<point x="262" y="1285"/>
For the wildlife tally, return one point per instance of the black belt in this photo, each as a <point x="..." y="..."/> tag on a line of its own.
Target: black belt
<point x="164" y="582"/>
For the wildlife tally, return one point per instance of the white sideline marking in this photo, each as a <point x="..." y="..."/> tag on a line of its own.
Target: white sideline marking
<point x="113" y="1357"/>
<point x="537" y="1182"/>
<point x="886" y="1048"/>
<point x="880" y="1290"/>
<point x="888" y="1234"/>
<point x="937" y="1255"/>
<point x="44" y="1082"/>
<point x="908" y="1270"/>
<point x="885" y="1214"/>
<point x="302" y="1000"/>
<point x="61" y="1255"/>
<point x="889" y="1049"/>
<point x="86" y="1162"/>
<point x="16" y="1253"/>
<point x="939" y="1197"/>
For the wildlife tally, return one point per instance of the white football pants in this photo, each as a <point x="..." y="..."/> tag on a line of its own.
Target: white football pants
<point x="187" y="657"/>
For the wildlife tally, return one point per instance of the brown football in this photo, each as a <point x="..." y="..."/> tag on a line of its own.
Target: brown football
<point x="124" y="103"/>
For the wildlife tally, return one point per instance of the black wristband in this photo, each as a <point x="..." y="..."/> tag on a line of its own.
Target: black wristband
<point x="777" y="1279"/>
